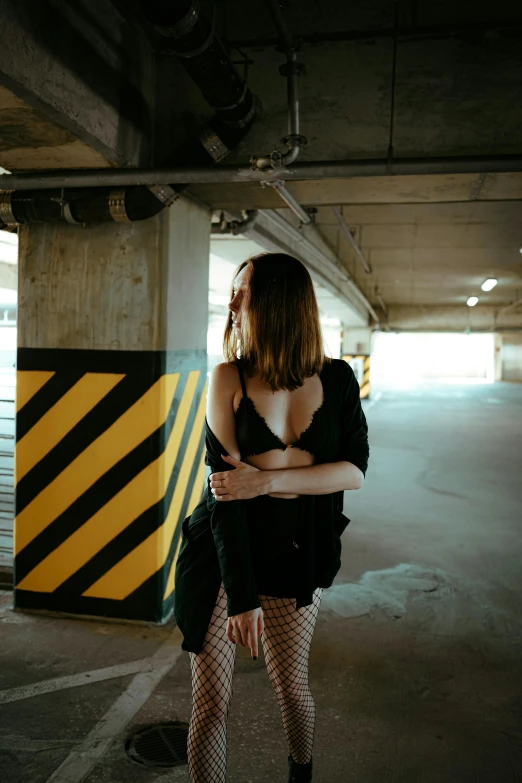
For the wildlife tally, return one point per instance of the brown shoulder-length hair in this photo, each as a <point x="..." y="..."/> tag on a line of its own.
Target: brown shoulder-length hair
<point x="281" y="337"/>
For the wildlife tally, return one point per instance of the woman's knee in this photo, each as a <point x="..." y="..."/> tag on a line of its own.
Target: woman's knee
<point x="211" y="708"/>
<point x="291" y="693"/>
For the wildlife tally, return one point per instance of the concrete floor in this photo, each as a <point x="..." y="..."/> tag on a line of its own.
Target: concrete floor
<point x="415" y="663"/>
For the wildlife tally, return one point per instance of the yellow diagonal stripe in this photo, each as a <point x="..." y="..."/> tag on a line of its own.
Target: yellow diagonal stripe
<point x="28" y="382"/>
<point x="194" y="500"/>
<point x="61" y="418"/>
<point x="137" y="423"/>
<point x="169" y="587"/>
<point x="137" y="496"/>
<point x="151" y="554"/>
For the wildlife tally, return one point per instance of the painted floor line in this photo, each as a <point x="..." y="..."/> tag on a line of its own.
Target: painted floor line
<point x="73" y="681"/>
<point x="85" y="756"/>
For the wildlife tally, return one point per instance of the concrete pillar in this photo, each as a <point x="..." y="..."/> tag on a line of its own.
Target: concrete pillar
<point x="111" y="393"/>
<point x="497" y="362"/>
<point x="357" y="340"/>
<point x="511" y="357"/>
<point x="357" y="348"/>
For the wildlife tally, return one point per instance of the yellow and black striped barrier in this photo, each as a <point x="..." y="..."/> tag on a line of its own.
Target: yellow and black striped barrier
<point x="109" y="460"/>
<point x="360" y="364"/>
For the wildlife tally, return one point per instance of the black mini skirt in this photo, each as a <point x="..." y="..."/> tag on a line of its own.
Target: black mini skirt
<point x="275" y="544"/>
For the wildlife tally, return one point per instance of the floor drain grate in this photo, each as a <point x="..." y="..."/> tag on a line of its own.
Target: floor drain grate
<point x="159" y="745"/>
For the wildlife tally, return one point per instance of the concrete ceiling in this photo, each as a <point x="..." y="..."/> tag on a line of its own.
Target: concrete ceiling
<point x="431" y="240"/>
<point x="431" y="252"/>
<point x="82" y="88"/>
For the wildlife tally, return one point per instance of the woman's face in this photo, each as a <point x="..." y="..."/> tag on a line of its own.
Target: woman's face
<point x="237" y="305"/>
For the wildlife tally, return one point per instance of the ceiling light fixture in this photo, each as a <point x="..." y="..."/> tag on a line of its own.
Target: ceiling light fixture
<point x="472" y="301"/>
<point x="488" y="284"/>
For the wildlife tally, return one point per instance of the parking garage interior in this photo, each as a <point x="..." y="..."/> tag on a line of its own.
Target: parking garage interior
<point x="146" y="150"/>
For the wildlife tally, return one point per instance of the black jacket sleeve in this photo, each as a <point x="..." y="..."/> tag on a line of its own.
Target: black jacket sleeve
<point x="231" y="537"/>
<point x="354" y="429"/>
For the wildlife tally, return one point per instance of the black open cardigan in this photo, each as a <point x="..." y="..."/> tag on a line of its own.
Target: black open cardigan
<point x="215" y="544"/>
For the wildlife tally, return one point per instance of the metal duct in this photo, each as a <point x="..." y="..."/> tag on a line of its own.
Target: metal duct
<point x="182" y="31"/>
<point x="79" y="207"/>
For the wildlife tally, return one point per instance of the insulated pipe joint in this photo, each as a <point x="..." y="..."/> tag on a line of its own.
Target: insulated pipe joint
<point x="80" y="207"/>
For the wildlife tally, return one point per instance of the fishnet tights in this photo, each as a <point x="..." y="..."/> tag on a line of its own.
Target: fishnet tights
<point x="286" y="644"/>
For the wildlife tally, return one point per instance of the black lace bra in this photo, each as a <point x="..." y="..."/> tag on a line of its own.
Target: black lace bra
<point x="254" y="436"/>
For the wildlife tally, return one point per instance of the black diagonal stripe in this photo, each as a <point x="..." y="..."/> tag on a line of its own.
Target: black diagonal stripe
<point x="97" y="495"/>
<point x="151" y="592"/>
<point x="43" y="400"/>
<point x="85" y="360"/>
<point x="85" y="432"/>
<point x="140" y="528"/>
<point x="147" y="608"/>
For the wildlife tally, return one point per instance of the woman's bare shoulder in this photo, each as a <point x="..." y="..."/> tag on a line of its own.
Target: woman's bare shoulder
<point x="225" y="375"/>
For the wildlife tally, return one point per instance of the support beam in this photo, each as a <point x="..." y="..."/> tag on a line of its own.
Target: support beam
<point x="86" y="72"/>
<point x="451" y="318"/>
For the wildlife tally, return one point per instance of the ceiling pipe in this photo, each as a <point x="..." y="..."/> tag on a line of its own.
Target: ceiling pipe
<point x="412" y="32"/>
<point x="297" y="209"/>
<point x="337" y="211"/>
<point x="336" y="169"/>
<point x="381" y="301"/>
<point x="511" y="306"/>
<point x="292" y="69"/>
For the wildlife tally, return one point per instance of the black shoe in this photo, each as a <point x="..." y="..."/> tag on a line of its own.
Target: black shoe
<point x="299" y="773"/>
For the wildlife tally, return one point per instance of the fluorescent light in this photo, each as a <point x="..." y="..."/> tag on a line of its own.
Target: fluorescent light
<point x="488" y="284"/>
<point x="472" y="301"/>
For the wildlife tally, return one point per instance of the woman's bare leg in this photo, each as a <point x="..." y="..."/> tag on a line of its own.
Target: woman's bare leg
<point x="286" y="643"/>
<point x="212" y="670"/>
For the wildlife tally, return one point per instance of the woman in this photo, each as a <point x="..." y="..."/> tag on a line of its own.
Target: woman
<point x="285" y="436"/>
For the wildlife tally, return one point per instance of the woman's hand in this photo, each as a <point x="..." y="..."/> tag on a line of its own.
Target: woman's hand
<point x="246" y="628"/>
<point x="243" y="483"/>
